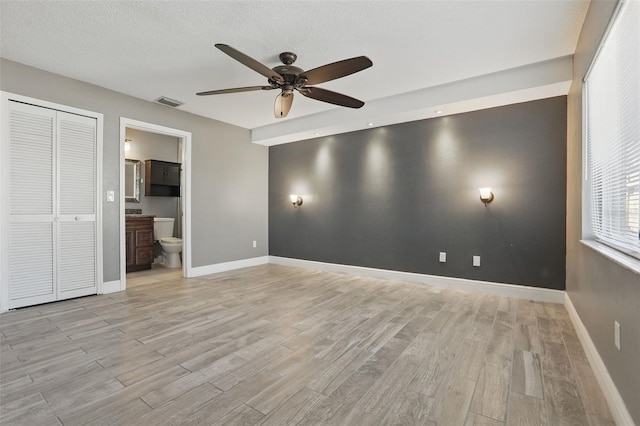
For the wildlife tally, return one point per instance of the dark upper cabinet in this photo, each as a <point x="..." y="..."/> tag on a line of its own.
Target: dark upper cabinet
<point x="162" y="178"/>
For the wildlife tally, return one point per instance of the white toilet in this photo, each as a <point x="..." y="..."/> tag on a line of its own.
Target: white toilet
<point x="171" y="246"/>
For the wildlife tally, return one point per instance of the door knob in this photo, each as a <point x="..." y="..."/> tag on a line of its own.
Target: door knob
<point x="77" y="218"/>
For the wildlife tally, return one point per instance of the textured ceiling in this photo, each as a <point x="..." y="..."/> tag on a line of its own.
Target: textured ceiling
<point x="149" y="49"/>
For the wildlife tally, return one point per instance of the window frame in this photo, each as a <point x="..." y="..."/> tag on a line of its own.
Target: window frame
<point x="622" y="255"/>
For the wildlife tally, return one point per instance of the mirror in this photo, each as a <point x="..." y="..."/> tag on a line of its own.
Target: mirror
<point x="132" y="181"/>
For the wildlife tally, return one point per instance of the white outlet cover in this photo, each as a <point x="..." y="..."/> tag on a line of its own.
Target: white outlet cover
<point x="476" y="260"/>
<point x="111" y="196"/>
<point x="443" y="257"/>
<point x="616" y="334"/>
<point x="254" y="244"/>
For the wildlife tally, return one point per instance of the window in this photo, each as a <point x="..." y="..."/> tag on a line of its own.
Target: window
<point x="612" y="123"/>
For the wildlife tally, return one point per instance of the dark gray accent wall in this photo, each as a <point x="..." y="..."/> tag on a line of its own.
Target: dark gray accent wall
<point x="394" y="197"/>
<point x="601" y="290"/>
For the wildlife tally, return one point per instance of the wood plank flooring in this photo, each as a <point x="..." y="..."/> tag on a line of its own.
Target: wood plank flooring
<point x="274" y="345"/>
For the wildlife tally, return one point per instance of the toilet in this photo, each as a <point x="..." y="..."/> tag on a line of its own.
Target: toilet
<point x="171" y="246"/>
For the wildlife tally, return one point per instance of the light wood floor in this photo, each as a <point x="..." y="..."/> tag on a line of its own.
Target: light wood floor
<point x="274" y="345"/>
<point x="157" y="273"/>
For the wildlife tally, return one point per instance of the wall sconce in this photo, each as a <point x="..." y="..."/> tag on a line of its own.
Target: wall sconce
<point x="127" y="145"/>
<point x="486" y="196"/>
<point x="296" y="200"/>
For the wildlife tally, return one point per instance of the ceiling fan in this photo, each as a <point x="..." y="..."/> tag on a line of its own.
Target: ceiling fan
<point x="288" y="78"/>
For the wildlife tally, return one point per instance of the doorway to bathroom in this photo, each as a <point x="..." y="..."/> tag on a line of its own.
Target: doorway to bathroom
<point x="172" y="149"/>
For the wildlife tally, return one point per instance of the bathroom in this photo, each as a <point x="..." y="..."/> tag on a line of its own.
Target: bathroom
<point x="165" y="207"/>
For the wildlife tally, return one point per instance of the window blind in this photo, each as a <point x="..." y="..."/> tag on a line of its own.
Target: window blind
<point x="612" y="117"/>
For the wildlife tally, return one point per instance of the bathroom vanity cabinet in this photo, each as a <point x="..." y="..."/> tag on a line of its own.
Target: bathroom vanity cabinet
<point x="139" y="242"/>
<point x="162" y="178"/>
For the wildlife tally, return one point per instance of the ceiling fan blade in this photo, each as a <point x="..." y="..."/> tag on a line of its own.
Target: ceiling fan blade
<point x="283" y="104"/>
<point x="250" y="62"/>
<point x="337" y="69"/>
<point x="235" y="90"/>
<point x="328" y="96"/>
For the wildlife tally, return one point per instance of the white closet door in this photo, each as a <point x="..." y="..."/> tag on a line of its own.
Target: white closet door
<point x="32" y="193"/>
<point x="76" y="143"/>
<point x="52" y="192"/>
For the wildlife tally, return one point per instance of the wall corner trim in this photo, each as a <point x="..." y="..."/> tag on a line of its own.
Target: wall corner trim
<point x="111" y="287"/>
<point x="199" y="271"/>
<point x="617" y="406"/>
<point x="509" y="290"/>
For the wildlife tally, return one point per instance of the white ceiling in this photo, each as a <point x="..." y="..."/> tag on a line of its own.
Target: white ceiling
<point x="153" y="48"/>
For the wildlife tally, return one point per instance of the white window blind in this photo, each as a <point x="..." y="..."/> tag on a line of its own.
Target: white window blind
<point x="612" y="116"/>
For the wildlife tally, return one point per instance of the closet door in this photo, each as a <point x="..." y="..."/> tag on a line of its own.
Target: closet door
<point x="32" y="210"/>
<point x="52" y="205"/>
<point x="76" y="146"/>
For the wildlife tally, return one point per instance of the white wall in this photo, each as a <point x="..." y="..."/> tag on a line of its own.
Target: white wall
<point x="228" y="173"/>
<point x="601" y="290"/>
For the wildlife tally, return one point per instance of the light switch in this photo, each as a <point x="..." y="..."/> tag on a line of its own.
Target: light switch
<point x="111" y="196"/>
<point x="443" y="257"/>
<point x="476" y="260"/>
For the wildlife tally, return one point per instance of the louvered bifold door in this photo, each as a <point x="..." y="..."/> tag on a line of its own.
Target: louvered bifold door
<point x="32" y="192"/>
<point x="77" y="177"/>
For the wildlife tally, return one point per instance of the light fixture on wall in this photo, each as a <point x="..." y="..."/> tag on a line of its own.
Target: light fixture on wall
<point x="127" y="145"/>
<point x="296" y="200"/>
<point x="486" y="196"/>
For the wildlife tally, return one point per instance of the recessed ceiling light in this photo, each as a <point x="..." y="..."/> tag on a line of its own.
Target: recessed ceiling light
<point x="369" y="124"/>
<point x="438" y="111"/>
<point x="316" y="134"/>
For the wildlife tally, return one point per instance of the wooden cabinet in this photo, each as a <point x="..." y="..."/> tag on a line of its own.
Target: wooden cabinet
<point x="162" y="178"/>
<point x="139" y="242"/>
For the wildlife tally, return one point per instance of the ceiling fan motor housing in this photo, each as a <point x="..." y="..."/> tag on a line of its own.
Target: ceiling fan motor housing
<point x="289" y="75"/>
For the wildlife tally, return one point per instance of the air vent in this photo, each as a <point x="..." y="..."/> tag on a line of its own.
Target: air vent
<point x="168" y="102"/>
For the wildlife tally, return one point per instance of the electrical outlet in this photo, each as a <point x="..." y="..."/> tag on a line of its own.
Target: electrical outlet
<point x="476" y="260"/>
<point x="254" y="244"/>
<point x="616" y="334"/>
<point x="443" y="257"/>
<point x="111" y="196"/>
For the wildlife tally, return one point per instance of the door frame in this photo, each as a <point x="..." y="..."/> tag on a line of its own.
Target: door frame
<point x="184" y="145"/>
<point x="5" y="98"/>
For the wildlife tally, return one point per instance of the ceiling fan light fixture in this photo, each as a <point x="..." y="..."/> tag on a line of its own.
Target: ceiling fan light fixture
<point x="283" y="104"/>
<point x="289" y="78"/>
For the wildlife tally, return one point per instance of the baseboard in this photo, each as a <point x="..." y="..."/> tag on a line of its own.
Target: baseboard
<point x="199" y="271"/>
<point x="509" y="290"/>
<point x="617" y="406"/>
<point x="111" y="287"/>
